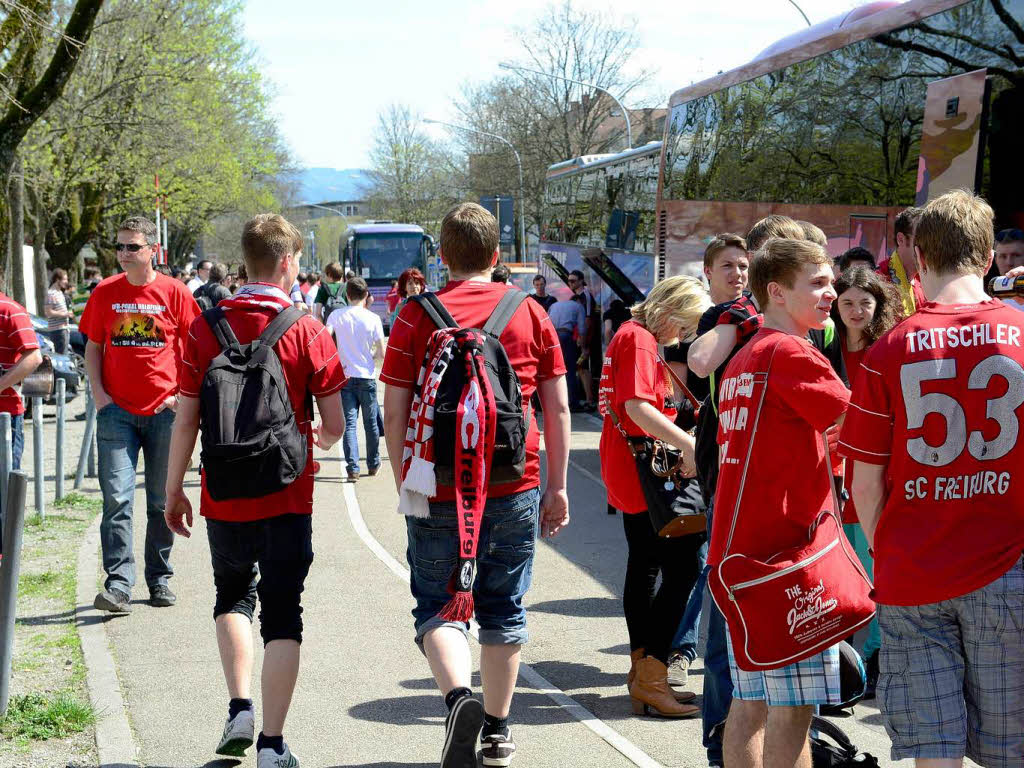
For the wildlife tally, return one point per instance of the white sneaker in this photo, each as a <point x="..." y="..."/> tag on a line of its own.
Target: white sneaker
<point x="268" y="758"/>
<point x="238" y="735"/>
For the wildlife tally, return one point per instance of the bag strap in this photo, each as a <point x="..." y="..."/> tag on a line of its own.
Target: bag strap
<point x="435" y="309"/>
<point x="502" y="314"/>
<point x="277" y="328"/>
<point x="221" y="329"/>
<point x="835" y="733"/>
<point x="679" y="382"/>
<point x="750" y="450"/>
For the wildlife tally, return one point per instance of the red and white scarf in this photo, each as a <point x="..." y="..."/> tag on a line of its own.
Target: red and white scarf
<point x="475" y="423"/>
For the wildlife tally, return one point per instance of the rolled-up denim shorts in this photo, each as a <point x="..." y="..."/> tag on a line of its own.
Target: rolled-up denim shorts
<point x="504" y="566"/>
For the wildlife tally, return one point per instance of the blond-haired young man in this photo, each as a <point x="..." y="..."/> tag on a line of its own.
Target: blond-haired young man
<point x="934" y="431"/>
<point x="791" y="280"/>
<point x="259" y="546"/>
<point x="513" y="511"/>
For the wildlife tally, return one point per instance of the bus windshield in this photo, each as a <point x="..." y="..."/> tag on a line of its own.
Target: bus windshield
<point x="386" y="256"/>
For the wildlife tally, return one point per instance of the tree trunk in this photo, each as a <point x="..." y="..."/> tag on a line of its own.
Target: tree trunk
<point x="17" y="231"/>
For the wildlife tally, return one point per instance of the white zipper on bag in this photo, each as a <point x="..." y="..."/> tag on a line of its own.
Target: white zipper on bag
<point x="795" y="567"/>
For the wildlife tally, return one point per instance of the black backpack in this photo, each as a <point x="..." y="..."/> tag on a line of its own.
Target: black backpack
<point x="509" y="462"/>
<point x="202" y="298"/>
<point x="251" y="441"/>
<point x="837" y="751"/>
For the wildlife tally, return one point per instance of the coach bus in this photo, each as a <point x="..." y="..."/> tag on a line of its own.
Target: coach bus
<point x="603" y="202"/>
<point x="380" y="251"/>
<point x="846" y="123"/>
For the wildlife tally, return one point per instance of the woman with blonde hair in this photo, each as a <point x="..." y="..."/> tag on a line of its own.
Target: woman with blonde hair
<point x="635" y="400"/>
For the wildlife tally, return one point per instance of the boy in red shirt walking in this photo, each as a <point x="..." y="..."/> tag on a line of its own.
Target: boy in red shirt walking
<point x="469" y="246"/>
<point x="788" y="482"/>
<point x="934" y="431"/>
<point x="274" y="531"/>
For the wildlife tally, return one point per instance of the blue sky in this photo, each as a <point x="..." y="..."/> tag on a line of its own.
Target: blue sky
<point x="334" y="64"/>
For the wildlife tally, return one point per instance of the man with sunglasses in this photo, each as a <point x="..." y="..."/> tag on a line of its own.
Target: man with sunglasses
<point x="135" y="323"/>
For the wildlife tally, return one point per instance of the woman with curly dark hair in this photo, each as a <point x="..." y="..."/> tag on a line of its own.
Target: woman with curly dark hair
<point x="867" y="306"/>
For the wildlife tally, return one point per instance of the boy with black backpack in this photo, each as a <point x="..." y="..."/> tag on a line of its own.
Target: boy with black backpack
<point x="250" y="370"/>
<point x="461" y="367"/>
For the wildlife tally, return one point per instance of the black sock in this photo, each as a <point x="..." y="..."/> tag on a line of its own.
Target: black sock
<point x="238" y="705"/>
<point x="494" y="725"/>
<point x="275" y="743"/>
<point x="454" y="695"/>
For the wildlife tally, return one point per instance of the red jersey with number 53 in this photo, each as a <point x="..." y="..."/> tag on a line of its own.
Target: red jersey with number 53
<point x="939" y="402"/>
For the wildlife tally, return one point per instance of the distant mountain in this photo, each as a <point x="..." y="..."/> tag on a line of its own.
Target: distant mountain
<point x="322" y="185"/>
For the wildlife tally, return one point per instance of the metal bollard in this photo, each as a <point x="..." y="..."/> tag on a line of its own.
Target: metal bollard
<point x="88" y="440"/>
<point x="37" y="455"/>
<point x="6" y="462"/>
<point x="61" y="409"/>
<point x="17" y="487"/>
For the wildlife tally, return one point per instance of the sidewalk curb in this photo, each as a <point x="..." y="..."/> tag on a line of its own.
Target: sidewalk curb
<point x="115" y="743"/>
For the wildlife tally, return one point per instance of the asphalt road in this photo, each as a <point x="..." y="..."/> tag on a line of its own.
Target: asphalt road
<point x="365" y="696"/>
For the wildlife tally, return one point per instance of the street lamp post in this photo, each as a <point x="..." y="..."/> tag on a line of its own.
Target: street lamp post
<point x="625" y="114"/>
<point x="519" y="165"/>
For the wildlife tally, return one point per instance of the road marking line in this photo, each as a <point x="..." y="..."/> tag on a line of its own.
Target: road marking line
<point x="616" y="740"/>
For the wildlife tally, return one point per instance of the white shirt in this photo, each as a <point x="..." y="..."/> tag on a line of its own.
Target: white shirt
<point x="356" y="330"/>
<point x="1014" y="303"/>
<point x="194" y="284"/>
<point x="311" y="295"/>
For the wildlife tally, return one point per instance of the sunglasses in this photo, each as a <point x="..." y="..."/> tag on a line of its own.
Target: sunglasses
<point x="130" y="247"/>
<point x="1009" y="234"/>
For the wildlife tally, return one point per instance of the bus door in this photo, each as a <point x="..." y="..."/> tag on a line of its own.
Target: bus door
<point x="869" y="232"/>
<point x="953" y="135"/>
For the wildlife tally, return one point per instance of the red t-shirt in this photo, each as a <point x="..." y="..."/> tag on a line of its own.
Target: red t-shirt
<point x="310" y="363"/>
<point x="938" y="403"/>
<point x="140" y="328"/>
<point x="852" y="361"/>
<point x="17" y="336"/>
<point x="788" y="481"/>
<point x="529" y="340"/>
<point x="632" y="370"/>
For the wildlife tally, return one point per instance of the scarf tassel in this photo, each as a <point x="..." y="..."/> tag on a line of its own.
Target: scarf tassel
<point x="459" y="608"/>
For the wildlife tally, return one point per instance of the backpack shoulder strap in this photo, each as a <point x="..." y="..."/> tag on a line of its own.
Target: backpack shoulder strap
<point x="221" y="330"/>
<point x="435" y="309"/>
<point x="834" y="732"/>
<point x="502" y="314"/>
<point x="277" y="328"/>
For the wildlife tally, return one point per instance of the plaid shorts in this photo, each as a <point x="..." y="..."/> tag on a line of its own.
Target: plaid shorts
<point x="952" y="675"/>
<point x="811" y="681"/>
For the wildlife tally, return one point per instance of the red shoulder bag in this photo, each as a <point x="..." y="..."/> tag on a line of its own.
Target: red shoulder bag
<point x="799" y="601"/>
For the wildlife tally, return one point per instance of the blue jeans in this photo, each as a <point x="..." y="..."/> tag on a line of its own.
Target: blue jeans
<point x="717" y="679"/>
<point x="504" y="559"/>
<point x="119" y="436"/>
<point x="570" y="354"/>
<point x="17" y="440"/>
<point x="355" y="395"/>
<point x="685" y="641"/>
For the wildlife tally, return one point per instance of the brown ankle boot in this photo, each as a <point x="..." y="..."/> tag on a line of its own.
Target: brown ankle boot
<point x="634" y="657"/>
<point x="651" y="695"/>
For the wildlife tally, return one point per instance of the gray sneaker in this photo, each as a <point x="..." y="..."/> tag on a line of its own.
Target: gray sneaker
<point x="462" y="729"/>
<point x="113" y="601"/>
<point x="678" y="670"/>
<point x="239" y="732"/>
<point x="268" y="758"/>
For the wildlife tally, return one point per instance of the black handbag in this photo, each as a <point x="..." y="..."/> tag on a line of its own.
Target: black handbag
<point x="674" y="502"/>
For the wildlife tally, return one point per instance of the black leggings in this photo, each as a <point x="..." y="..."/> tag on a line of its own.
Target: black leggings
<point x="652" y="618"/>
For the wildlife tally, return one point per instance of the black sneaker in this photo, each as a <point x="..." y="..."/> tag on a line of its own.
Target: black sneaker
<point x="113" y="600"/>
<point x="161" y="596"/>
<point x="461" y="731"/>
<point x="497" y="749"/>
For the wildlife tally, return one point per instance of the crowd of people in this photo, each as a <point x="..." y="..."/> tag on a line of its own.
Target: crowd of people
<point x="910" y="372"/>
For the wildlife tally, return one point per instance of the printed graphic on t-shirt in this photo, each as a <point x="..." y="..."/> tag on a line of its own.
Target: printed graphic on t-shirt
<point x="137" y="326"/>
